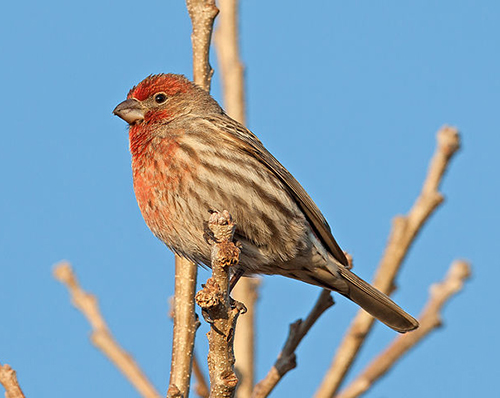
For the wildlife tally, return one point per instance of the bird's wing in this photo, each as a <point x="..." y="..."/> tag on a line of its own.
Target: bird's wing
<point x="252" y="144"/>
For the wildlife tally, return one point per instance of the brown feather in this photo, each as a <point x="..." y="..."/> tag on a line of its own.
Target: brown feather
<point x="317" y="221"/>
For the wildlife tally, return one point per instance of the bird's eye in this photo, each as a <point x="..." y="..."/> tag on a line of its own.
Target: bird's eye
<point x="160" y="98"/>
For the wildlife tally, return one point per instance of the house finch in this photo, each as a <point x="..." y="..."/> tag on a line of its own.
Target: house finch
<point x="189" y="158"/>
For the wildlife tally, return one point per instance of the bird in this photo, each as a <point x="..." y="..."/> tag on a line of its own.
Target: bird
<point x="189" y="158"/>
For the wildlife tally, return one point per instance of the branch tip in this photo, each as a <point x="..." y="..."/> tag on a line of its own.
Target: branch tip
<point x="101" y="336"/>
<point x="402" y="235"/>
<point x="448" y="139"/>
<point x="8" y="379"/>
<point x="430" y="319"/>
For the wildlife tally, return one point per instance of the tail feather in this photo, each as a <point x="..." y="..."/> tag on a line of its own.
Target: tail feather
<point x="376" y="303"/>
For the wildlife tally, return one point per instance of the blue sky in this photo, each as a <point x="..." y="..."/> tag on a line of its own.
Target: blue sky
<point x="348" y="95"/>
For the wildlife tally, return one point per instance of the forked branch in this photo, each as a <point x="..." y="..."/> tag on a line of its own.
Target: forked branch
<point x="101" y="336"/>
<point x="219" y="309"/>
<point x="404" y="231"/>
<point x="429" y="319"/>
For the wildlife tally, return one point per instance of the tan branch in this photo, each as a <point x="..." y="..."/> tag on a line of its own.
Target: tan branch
<point x="202" y="14"/>
<point x="101" y="336"/>
<point x="201" y="387"/>
<point x="219" y="309"/>
<point x="232" y="77"/>
<point x="404" y="231"/>
<point x="429" y="319"/>
<point x="232" y="70"/>
<point x="8" y="380"/>
<point x="286" y="360"/>
<point x="185" y="326"/>
<point x="246" y="291"/>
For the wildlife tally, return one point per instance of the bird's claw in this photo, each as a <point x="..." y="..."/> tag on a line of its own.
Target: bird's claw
<point x="238" y="305"/>
<point x="206" y="316"/>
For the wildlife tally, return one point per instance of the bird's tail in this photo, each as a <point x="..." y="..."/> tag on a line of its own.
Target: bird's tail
<point x="376" y="303"/>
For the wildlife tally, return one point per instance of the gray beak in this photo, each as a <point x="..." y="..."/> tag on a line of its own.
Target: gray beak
<point x="130" y="110"/>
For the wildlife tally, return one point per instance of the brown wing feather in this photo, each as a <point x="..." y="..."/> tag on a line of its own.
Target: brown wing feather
<point x="253" y="145"/>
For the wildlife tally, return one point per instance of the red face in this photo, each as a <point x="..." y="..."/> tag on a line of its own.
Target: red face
<point x="169" y="84"/>
<point x="153" y="99"/>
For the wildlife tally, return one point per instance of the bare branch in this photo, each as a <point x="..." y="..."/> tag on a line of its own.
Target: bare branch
<point x="201" y="387"/>
<point x="202" y="14"/>
<point x="404" y="231"/>
<point x="232" y="70"/>
<point x="219" y="309"/>
<point x="246" y="291"/>
<point x="185" y="326"/>
<point x="286" y="360"/>
<point x="101" y="337"/>
<point x="430" y="319"/>
<point x="8" y="379"/>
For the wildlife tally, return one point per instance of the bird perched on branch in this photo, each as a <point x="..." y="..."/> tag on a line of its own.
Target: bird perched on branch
<point x="189" y="158"/>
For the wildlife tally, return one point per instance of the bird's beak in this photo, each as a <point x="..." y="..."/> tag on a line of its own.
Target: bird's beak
<point x="130" y="110"/>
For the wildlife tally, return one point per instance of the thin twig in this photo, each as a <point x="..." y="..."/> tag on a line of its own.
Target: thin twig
<point x="219" y="309"/>
<point x="201" y="387"/>
<point x="286" y="360"/>
<point x="430" y="319"/>
<point x="232" y="76"/>
<point x="101" y="336"/>
<point x="404" y="231"/>
<point x="8" y="380"/>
